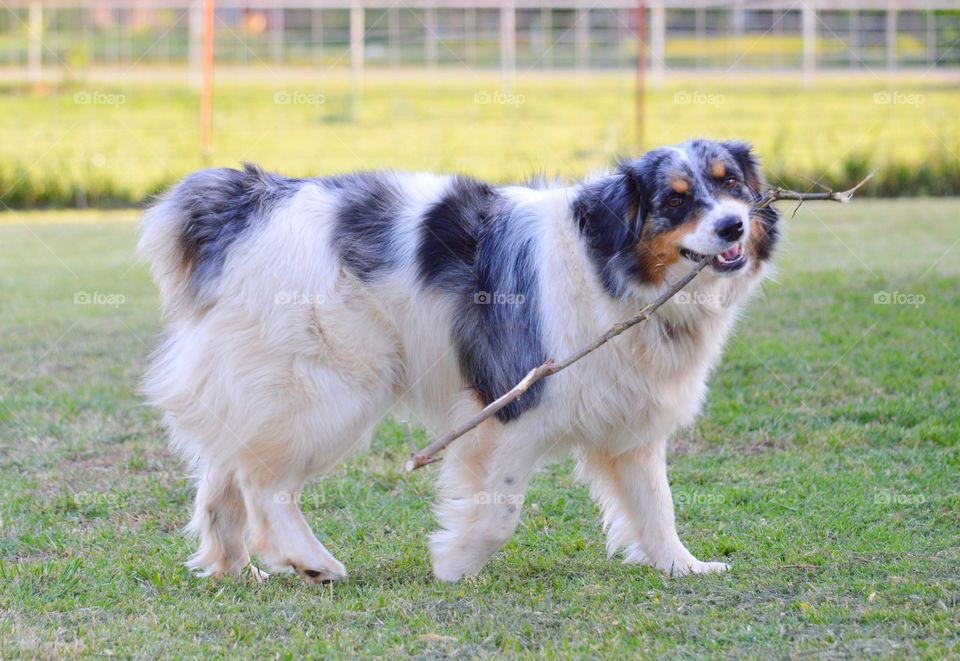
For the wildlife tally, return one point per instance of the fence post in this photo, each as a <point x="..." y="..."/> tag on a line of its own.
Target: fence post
<point x="35" y="46"/>
<point x="739" y="18"/>
<point x="356" y="56"/>
<point x="809" y="42"/>
<point x="470" y="34"/>
<point x="700" y="28"/>
<point x="206" y="97"/>
<point x="891" y="34"/>
<point x="393" y="35"/>
<point x="277" y="33"/>
<point x="582" y="34"/>
<point x="431" y="30"/>
<point x="195" y="39"/>
<point x="316" y="33"/>
<point x="546" y="31"/>
<point x="641" y="91"/>
<point x="658" y="42"/>
<point x="853" y="40"/>
<point x="508" y="45"/>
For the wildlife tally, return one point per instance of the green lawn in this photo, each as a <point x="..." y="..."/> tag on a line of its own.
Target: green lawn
<point x="825" y="469"/>
<point x="90" y="143"/>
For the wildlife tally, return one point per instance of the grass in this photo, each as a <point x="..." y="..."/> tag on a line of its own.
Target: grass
<point x="89" y="144"/>
<point x="825" y="469"/>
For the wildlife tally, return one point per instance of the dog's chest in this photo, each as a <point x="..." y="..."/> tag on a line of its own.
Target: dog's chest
<point x="644" y="384"/>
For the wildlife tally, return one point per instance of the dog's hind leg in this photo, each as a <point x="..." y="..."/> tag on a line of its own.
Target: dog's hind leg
<point x="303" y="441"/>
<point x="219" y="519"/>
<point x="483" y="480"/>
<point x="633" y="491"/>
<point x="279" y="534"/>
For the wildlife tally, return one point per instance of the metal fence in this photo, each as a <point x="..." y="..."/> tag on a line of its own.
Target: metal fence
<point x="42" y="37"/>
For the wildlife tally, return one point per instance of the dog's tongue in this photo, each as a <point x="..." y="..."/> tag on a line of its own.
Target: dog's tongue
<point x="732" y="254"/>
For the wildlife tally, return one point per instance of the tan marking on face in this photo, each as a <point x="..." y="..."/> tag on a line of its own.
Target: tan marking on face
<point x="757" y="231"/>
<point x="680" y="186"/>
<point x="657" y="253"/>
<point x="718" y="170"/>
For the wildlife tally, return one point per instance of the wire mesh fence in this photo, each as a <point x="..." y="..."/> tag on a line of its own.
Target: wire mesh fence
<point x="51" y="35"/>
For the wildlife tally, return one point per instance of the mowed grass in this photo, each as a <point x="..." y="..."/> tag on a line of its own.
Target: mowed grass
<point x="89" y="143"/>
<point x="825" y="469"/>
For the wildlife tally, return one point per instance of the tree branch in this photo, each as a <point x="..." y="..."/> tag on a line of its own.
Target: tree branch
<point x="774" y="194"/>
<point x="429" y="454"/>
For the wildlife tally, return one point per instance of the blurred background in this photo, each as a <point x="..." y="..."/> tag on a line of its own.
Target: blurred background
<point x="102" y="99"/>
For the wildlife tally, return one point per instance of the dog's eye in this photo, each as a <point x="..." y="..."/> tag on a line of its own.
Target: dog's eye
<point x="730" y="183"/>
<point x="674" y="201"/>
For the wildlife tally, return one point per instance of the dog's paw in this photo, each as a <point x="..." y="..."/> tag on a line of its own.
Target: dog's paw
<point x="451" y="562"/>
<point x="320" y="574"/>
<point x="259" y="576"/>
<point x="694" y="566"/>
<point x="448" y="568"/>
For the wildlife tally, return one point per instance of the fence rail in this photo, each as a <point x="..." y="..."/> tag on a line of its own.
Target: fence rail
<point x="43" y="37"/>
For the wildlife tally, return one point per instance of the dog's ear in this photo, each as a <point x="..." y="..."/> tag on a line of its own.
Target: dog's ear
<point x="749" y="164"/>
<point x="637" y="185"/>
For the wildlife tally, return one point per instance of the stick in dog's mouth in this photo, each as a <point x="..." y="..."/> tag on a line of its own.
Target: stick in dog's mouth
<point x="729" y="260"/>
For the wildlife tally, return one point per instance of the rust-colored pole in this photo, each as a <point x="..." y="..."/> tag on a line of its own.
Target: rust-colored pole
<point x="641" y="71"/>
<point x="206" y="95"/>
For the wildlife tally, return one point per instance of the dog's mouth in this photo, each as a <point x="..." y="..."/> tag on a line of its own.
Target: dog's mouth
<point x="726" y="262"/>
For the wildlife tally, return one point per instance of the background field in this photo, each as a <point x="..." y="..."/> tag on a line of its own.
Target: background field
<point x="825" y="467"/>
<point x="86" y="143"/>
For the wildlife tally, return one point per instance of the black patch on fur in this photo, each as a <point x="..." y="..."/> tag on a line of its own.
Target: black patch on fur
<point x="221" y="205"/>
<point x="609" y="214"/>
<point x="474" y="249"/>
<point x="451" y="228"/>
<point x="369" y="203"/>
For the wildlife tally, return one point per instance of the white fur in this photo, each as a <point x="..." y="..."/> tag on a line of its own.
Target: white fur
<point x="704" y="239"/>
<point x="290" y="368"/>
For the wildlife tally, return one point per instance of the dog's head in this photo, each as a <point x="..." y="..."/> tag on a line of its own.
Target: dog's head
<point x="679" y="204"/>
<point x="697" y="200"/>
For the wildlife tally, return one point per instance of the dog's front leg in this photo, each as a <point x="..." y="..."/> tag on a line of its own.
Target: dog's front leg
<point x="633" y="491"/>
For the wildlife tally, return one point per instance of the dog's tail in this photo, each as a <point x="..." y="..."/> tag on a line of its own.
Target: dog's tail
<point x="186" y="234"/>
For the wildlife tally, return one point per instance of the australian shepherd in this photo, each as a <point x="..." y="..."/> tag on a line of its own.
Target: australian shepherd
<point x="300" y="311"/>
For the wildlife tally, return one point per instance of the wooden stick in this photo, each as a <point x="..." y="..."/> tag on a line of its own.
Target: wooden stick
<point x="842" y="197"/>
<point x="429" y="454"/>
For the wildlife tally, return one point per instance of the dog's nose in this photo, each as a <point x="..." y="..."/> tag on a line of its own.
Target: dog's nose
<point x="730" y="228"/>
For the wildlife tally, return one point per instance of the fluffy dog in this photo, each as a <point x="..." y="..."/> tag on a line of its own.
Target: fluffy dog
<point x="300" y="310"/>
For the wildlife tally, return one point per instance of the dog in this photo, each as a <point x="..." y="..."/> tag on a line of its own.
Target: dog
<point x="299" y="311"/>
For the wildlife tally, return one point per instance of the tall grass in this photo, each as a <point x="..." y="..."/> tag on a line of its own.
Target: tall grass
<point x="84" y="145"/>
